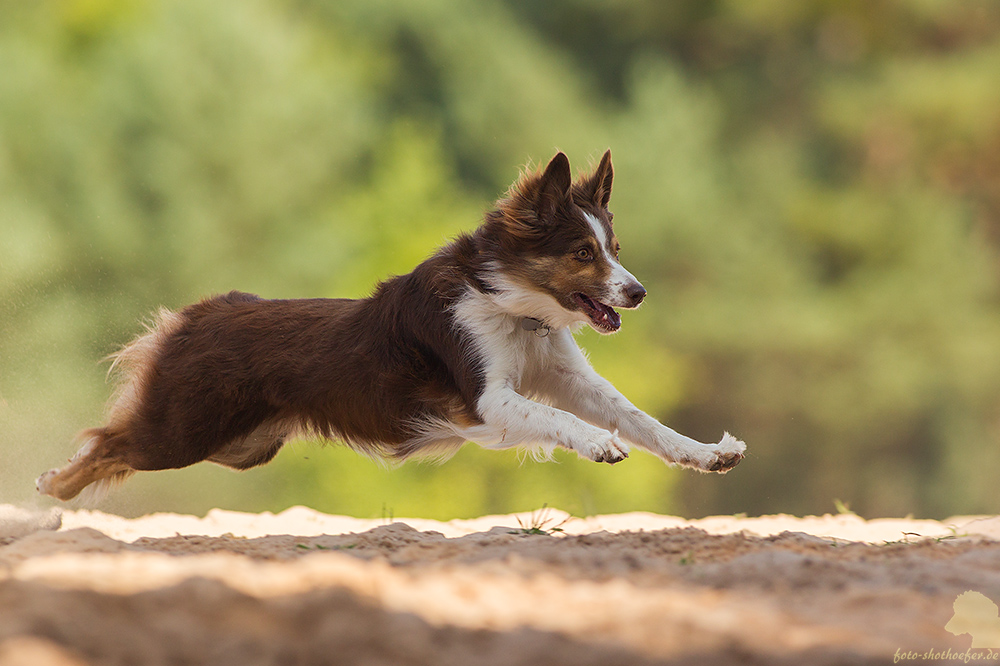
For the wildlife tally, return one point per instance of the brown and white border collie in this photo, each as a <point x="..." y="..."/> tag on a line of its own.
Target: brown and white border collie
<point x="474" y="345"/>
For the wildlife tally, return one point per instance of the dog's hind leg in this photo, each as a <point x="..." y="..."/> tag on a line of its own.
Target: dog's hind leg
<point x="101" y="458"/>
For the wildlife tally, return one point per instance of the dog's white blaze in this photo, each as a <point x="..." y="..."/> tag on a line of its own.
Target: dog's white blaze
<point x="599" y="233"/>
<point x="620" y="278"/>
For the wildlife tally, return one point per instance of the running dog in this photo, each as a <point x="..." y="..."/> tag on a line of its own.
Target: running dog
<point x="474" y="345"/>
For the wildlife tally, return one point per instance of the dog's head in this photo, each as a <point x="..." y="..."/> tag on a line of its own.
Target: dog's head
<point x="556" y="253"/>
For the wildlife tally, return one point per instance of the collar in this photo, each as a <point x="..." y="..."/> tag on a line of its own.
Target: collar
<point x="537" y="326"/>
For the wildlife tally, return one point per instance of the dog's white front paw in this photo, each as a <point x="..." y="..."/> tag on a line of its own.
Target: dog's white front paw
<point x="603" y="447"/>
<point x="727" y="454"/>
<point x="720" y="457"/>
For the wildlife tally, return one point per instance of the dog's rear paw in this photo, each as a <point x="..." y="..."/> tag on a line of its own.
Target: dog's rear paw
<point x="43" y="484"/>
<point x="605" y="448"/>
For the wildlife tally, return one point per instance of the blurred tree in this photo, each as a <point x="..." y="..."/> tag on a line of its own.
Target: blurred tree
<point x="836" y="285"/>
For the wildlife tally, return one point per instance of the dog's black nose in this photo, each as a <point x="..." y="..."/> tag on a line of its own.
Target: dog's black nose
<point x="635" y="292"/>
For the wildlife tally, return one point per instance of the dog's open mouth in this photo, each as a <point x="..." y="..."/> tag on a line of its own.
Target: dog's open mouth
<point x="603" y="316"/>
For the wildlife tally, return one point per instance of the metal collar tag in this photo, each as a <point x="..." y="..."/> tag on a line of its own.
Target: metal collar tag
<point x="540" y="328"/>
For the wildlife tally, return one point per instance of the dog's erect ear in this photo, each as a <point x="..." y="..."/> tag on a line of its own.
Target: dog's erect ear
<point x="530" y="207"/>
<point x="553" y="187"/>
<point x="597" y="188"/>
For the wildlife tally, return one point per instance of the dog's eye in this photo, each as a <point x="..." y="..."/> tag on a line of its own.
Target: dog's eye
<point x="584" y="254"/>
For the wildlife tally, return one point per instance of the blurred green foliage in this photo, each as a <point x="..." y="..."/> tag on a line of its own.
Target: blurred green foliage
<point x="810" y="192"/>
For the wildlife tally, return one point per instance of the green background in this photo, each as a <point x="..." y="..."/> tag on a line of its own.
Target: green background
<point x="810" y="191"/>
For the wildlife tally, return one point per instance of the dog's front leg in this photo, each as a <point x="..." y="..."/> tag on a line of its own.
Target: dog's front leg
<point x="595" y="399"/>
<point x="511" y="420"/>
<point x="576" y="387"/>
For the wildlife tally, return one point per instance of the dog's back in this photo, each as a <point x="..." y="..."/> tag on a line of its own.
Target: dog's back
<point x="229" y="379"/>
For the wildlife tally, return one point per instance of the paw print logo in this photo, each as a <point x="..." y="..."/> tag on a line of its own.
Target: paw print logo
<point x="976" y="615"/>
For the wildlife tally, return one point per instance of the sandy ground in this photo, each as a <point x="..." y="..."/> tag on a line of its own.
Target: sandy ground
<point x="306" y="588"/>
